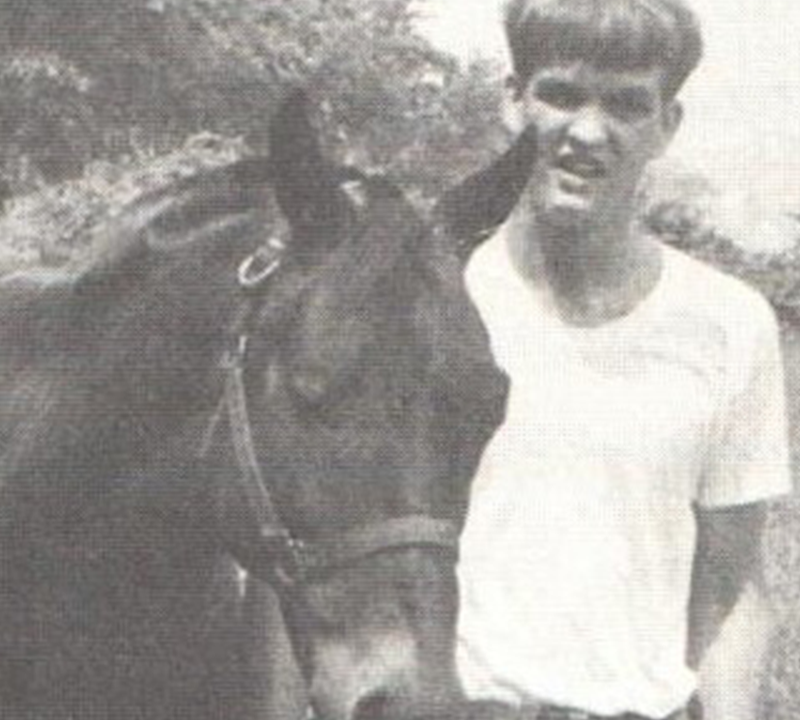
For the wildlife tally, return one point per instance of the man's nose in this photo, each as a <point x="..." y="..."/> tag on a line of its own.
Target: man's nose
<point x="589" y="128"/>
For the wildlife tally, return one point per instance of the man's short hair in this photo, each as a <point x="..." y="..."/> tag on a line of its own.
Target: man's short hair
<point x="609" y="34"/>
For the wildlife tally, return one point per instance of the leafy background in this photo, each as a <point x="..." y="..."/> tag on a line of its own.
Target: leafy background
<point x="106" y="99"/>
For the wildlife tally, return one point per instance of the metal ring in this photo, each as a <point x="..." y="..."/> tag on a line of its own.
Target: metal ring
<point x="250" y="276"/>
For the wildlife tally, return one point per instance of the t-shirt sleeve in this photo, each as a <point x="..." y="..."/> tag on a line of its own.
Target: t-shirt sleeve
<point x="748" y="458"/>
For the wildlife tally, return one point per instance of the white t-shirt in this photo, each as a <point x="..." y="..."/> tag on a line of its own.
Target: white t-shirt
<point x="577" y="553"/>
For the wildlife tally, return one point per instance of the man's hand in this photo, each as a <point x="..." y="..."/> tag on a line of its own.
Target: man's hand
<point x="730" y="620"/>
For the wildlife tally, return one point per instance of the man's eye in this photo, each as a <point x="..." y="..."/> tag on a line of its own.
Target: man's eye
<point x="630" y="107"/>
<point x="560" y="95"/>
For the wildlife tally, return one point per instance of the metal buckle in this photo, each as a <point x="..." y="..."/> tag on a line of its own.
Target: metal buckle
<point x="290" y="556"/>
<point x="299" y="557"/>
<point x="263" y="263"/>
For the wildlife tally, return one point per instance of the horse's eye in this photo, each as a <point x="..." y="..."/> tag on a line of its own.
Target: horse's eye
<point x="356" y="192"/>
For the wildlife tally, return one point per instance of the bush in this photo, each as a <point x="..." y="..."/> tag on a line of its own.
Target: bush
<point x="101" y="79"/>
<point x="56" y="225"/>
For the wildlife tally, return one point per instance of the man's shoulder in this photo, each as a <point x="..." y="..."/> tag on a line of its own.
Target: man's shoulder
<point x="717" y="297"/>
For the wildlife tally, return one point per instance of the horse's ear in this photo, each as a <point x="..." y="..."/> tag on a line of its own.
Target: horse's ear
<point x="292" y="135"/>
<point x="474" y="208"/>
<point x="306" y="184"/>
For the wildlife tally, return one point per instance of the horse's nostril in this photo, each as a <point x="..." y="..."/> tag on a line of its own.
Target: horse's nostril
<point x="372" y="706"/>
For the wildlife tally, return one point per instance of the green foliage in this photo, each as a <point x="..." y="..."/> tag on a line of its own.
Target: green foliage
<point x="101" y="84"/>
<point x="104" y="78"/>
<point x="45" y="130"/>
<point x="57" y="224"/>
<point x="689" y="227"/>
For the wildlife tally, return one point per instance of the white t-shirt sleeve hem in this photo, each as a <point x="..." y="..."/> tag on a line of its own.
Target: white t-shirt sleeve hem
<point x="769" y="486"/>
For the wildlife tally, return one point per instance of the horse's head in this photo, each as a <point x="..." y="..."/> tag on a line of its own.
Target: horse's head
<point x="370" y="393"/>
<point x="335" y="388"/>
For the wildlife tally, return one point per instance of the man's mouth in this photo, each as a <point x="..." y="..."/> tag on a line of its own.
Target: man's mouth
<point x="584" y="167"/>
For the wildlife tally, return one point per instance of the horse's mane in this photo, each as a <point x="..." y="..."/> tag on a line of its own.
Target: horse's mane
<point x="175" y="219"/>
<point x="210" y="214"/>
<point x="132" y="327"/>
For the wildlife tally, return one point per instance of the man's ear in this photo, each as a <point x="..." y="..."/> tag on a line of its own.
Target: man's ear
<point x="512" y="105"/>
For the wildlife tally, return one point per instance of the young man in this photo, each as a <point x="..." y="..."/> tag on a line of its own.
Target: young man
<point x="612" y="543"/>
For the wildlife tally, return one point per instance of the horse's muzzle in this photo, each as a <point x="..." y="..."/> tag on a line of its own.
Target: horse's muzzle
<point x="381" y="678"/>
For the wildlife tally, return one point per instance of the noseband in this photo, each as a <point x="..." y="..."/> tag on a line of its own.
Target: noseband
<point x="285" y="560"/>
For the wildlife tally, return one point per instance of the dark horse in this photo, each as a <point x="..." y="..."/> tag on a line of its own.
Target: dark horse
<point x="171" y="415"/>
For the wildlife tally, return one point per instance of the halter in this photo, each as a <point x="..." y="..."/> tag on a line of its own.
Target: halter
<point x="293" y="561"/>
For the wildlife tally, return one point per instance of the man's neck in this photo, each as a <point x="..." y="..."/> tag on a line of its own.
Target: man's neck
<point x="593" y="274"/>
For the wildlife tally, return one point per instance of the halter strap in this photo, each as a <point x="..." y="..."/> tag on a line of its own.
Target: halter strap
<point x="363" y="541"/>
<point x="295" y="560"/>
<point x="292" y="560"/>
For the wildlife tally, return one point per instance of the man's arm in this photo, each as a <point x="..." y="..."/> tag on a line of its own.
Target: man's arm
<point x="730" y="617"/>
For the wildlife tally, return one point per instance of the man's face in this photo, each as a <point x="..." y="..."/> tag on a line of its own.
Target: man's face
<point x="597" y="131"/>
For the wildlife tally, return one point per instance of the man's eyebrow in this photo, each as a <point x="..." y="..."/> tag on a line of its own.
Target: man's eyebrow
<point x="555" y="82"/>
<point x="635" y="94"/>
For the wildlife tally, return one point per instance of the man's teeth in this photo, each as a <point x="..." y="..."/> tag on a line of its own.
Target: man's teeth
<point x="582" y="169"/>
